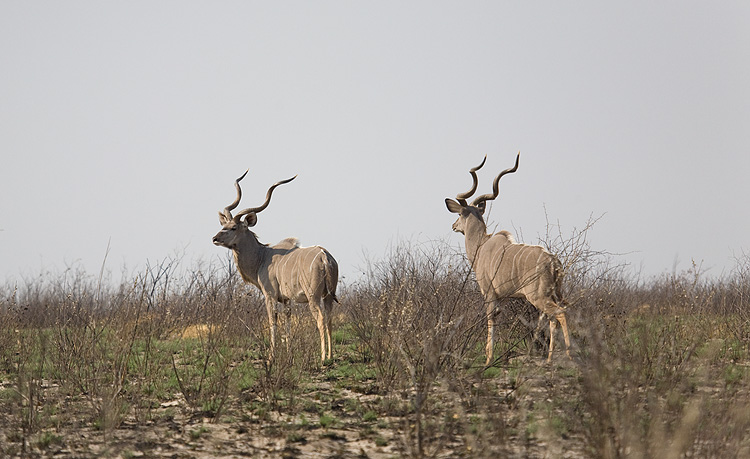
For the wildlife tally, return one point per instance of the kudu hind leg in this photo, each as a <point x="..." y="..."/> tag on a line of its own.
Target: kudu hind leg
<point x="556" y="315"/>
<point x="317" y="311"/>
<point x="564" y="325"/>
<point x="328" y="308"/>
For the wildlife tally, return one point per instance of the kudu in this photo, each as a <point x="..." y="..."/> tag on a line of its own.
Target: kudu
<point x="284" y="272"/>
<point x="505" y="269"/>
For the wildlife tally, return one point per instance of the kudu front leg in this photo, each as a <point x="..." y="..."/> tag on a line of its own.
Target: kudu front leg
<point x="490" y="346"/>
<point x="288" y="327"/>
<point x="535" y="336"/>
<point x="272" y="324"/>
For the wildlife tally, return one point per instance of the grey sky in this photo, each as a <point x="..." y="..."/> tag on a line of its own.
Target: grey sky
<point x="128" y="121"/>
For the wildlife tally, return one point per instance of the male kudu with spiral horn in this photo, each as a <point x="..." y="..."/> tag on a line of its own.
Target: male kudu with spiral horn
<point x="284" y="272"/>
<point x="505" y="269"/>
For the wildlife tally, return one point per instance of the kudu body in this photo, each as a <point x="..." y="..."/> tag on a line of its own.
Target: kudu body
<point x="505" y="269"/>
<point x="284" y="272"/>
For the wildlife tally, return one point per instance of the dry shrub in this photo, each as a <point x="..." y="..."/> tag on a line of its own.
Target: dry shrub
<point x="419" y="317"/>
<point x="106" y="343"/>
<point x="659" y="359"/>
<point x="415" y="313"/>
<point x="656" y="362"/>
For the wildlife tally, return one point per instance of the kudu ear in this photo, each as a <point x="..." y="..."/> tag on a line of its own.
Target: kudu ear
<point x="223" y="219"/>
<point x="453" y="206"/>
<point x="481" y="207"/>
<point x="251" y="219"/>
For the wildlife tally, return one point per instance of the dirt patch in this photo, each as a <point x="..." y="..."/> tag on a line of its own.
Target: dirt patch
<point x="194" y="331"/>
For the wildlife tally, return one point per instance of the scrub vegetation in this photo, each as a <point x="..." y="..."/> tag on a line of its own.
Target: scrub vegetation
<point x="172" y="362"/>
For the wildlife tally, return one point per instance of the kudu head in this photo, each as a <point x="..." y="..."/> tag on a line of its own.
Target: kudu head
<point x="234" y="228"/>
<point x="476" y="209"/>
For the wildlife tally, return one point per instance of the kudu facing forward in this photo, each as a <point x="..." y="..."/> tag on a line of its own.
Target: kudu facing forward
<point x="284" y="272"/>
<point x="505" y="269"/>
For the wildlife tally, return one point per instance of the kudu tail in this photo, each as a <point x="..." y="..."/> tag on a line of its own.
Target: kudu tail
<point x="557" y="272"/>
<point x="331" y="275"/>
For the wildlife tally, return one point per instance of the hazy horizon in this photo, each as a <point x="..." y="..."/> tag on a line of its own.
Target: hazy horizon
<point x="124" y="126"/>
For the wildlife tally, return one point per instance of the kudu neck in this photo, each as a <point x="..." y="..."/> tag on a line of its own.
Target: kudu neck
<point x="475" y="231"/>
<point x="250" y="255"/>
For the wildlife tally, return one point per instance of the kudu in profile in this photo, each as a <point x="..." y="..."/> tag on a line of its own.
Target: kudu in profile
<point x="284" y="272"/>
<point x="505" y="269"/>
